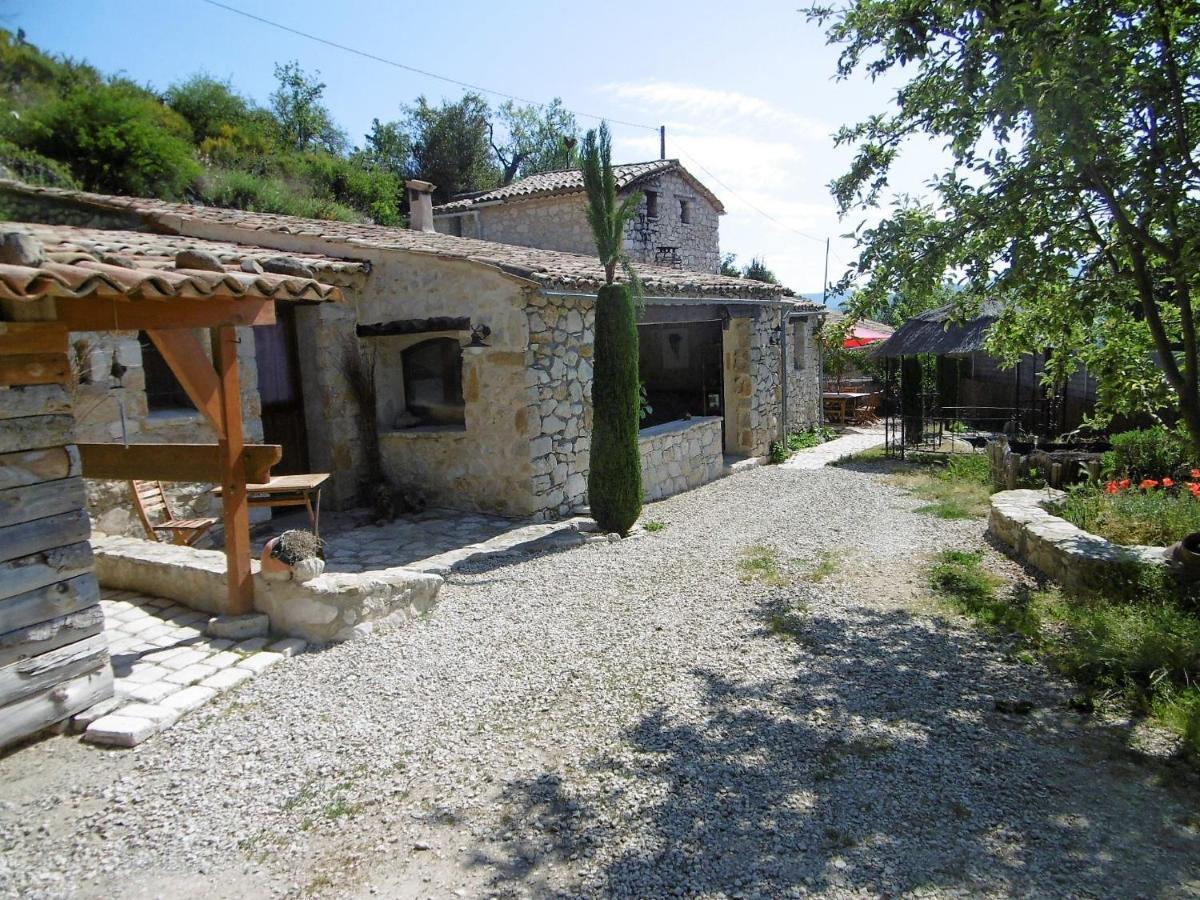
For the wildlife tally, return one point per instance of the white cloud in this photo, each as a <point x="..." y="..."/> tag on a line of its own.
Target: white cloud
<point x="712" y="106"/>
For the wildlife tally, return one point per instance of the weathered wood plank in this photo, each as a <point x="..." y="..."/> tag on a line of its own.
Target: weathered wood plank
<point x="35" y="433"/>
<point x="102" y="314"/>
<point x="174" y="462"/>
<point x="49" y="602"/>
<point x="41" y="673"/>
<point x="34" y="368"/>
<point x="33" y="640"/>
<point x="37" y="501"/>
<point x="29" y="716"/>
<point x="46" y="567"/>
<point x="35" y="466"/>
<point x="43" y="534"/>
<point x="22" y="401"/>
<point x="32" y="337"/>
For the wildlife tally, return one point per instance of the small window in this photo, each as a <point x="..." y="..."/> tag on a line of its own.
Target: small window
<point x="651" y="204"/>
<point x="800" y="344"/>
<point x="433" y="381"/>
<point x="685" y="212"/>
<point x="163" y="390"/>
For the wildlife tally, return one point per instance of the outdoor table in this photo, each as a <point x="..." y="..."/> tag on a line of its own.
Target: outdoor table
<point x="289" y="490"/>
<point x="844" y="402"/>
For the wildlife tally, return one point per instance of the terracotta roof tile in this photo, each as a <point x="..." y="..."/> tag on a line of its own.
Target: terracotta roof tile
<point x="570" y="181"/>
<point x="551" y="269"/>
<point x="72" y="268"/>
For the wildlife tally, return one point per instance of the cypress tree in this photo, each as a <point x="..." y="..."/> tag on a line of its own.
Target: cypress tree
<point x="615" y="474"/>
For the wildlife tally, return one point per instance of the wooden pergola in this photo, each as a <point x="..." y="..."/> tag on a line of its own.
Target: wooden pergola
<point x="44" y="296"/>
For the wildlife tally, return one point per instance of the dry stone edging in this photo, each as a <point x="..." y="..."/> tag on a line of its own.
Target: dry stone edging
<point x="1071" y="556"/>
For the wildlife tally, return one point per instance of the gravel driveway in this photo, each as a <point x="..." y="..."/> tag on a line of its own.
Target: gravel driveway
<point x="633" y="719"/>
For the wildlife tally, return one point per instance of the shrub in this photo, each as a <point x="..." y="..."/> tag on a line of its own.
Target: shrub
<point x="33" y="168"/>
<point x="1147" y="453"/>
<point x="236" y="189"/>
<point x="615" y="476"/>
<point x="118" y="139"/>
<point x="1155" y="517"/>
<point x="209" y="106"/>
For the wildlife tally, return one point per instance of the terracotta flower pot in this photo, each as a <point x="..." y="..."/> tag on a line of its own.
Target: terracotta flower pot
<point x="1187" y="552"/>
<point x="272" y="567"/>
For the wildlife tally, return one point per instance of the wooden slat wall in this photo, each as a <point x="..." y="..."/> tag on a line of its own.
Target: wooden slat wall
<point x="53" y="656"/>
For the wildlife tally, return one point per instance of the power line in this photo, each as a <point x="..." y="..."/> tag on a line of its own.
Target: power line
<point x="475" y="87"/>
<point x="759" y="210"/>
<point x="406" y="68"/>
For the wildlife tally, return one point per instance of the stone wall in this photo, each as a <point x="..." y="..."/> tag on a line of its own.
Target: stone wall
<point x="1074" y="558"/>
<point x="753" y="386"/>
<point x="804" y="373"/>
<point x="54" y="659"/>
<point x="559" y="360"/>
<point x="560" y="223"/>
<point x="111" y="406"/>
<point x="679" y="456"/>
<point x="17" y="207"/>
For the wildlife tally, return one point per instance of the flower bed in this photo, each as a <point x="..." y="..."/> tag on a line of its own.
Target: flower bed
<point x="1157" y="511"/>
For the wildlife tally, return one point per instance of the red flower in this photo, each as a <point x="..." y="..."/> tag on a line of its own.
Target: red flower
<point x="1123" y="484"/>
<point x="1168" y="482"/>
<point x="1148" y="484"/>
<point x="1196" y="473"/>
<point x="1195" y="489"/>
<point x="1112" y="488"/>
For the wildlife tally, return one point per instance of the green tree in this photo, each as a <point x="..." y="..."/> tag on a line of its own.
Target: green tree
<point x="117" y="138"/>
<point x="539" y="139"/>
<point x="387" y="147"/>
<point x="1072" y="189"/>
<point x="208" y="105"/>
<point x="450" y="146"/>
<point x="615" y="475"/>
<point x="304" y="122"/>
<point x="756" y="270"/>
<point x="729" y="266"/>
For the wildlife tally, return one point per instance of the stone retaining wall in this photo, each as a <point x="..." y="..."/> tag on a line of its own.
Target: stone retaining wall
<point x="679" y="456"/>
<point x="329" y="608"/>
<point x="1074" y="558"/>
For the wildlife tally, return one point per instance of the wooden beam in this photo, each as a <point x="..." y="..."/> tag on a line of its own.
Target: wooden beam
<point x="174" y="462"/>
<point x="233" y="480"/>
<point x="187" y="359"/>
<point x="414" y="326"/>
<point x="34" y="368"/>
<point x="97" y="314"/>
<point x="32" y="337"/>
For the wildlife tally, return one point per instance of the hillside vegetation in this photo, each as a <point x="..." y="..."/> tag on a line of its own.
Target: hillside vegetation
<point x="64" y="123"/>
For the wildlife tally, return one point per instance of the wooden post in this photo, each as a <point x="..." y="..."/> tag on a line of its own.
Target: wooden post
<point x="233" y="475"/>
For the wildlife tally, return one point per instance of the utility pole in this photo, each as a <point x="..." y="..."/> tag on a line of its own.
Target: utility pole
<point x="662" y="141"/>
<point x="825" y="280"/>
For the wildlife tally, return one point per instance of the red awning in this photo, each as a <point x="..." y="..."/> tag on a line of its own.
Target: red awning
<point x="861" y="337"/>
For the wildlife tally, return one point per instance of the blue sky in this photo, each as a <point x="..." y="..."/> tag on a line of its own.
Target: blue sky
<point x="746" y="89"/>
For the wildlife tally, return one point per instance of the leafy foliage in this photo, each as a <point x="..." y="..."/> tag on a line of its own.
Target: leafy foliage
<point x="756" y="270"/>
<point x="1072" y="192"/>
<point x="1154" y="518"/>
<point x="538" y="140"/>
<point x="116" y="138"/>
<point x="450" y="145"/>
<point x="1146" y="453"/>
<point x="211" y="107"/>
<point x="303" y="121"/>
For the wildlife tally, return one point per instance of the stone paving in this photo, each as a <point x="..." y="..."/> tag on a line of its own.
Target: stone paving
<point x="853" y="440"/>
<point x="165" y="667"/>
<point x="431" y="541"/>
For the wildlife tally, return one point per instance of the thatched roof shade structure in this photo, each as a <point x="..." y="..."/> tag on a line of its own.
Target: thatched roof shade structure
<point x="941" y="333"/>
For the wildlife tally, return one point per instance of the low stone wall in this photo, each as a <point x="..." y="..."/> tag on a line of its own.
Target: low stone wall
<point x="679" y="456"/>
<point x="329" y="608"/>
<point x="1074" y="558"/>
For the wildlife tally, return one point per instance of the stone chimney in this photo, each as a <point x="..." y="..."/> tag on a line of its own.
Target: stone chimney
<point x="420" y="205"/>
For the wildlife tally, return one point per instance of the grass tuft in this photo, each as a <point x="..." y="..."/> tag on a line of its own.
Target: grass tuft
<point x="760" y="563"/>
<point x="652" y="526"/>
<point x="827" y="564"/>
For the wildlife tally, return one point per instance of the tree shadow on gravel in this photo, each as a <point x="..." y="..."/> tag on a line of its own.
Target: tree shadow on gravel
<point x="880" y="764"/>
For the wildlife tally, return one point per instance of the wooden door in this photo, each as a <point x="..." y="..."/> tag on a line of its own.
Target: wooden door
<point x="278" y="359"/>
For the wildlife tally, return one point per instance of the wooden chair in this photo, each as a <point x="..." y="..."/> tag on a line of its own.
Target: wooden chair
<point x="868" y="410"/>
<point x="151" y="502"/>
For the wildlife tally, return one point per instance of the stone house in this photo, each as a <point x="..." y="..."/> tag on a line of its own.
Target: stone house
<point x="676" y="224"/>
<point x="478" y="353"/>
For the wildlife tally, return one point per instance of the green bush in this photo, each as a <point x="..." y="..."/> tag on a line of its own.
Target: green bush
<point x="1156" y="517"/>
<point x="236" y="189"/>
<point x="615" y="477"/>
<point x="209" y="106"/>
<point x="33" y="168"/>
<point x="117" y="139"/>
<point x="1147" y="453"/>
<point x="813" y="437"/>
